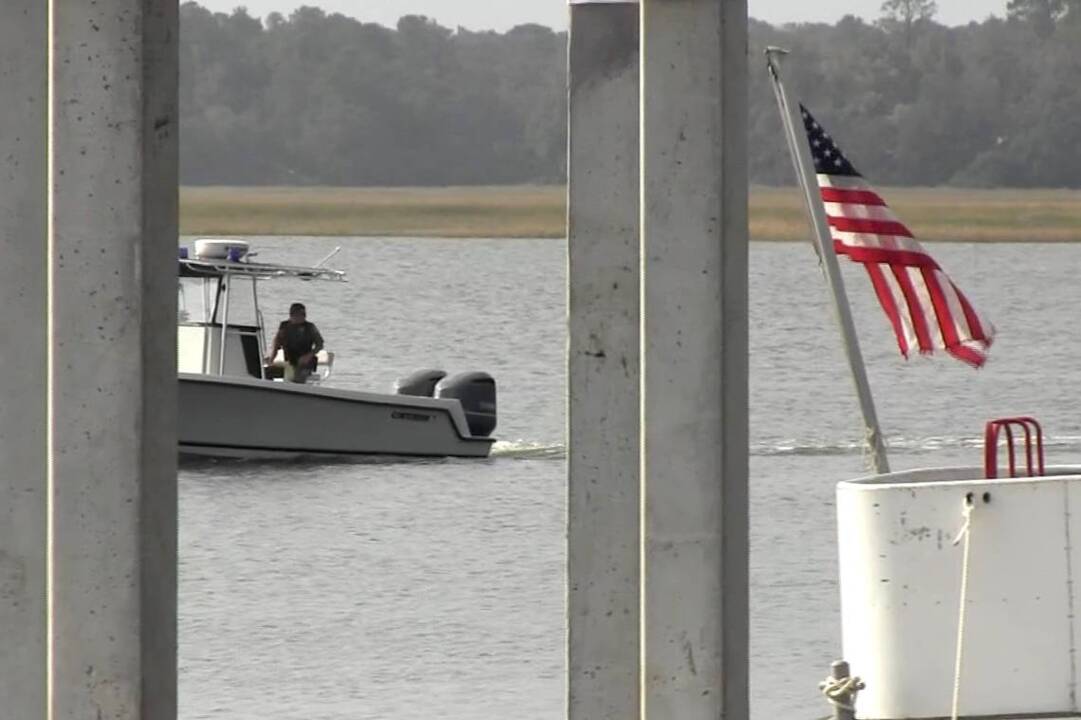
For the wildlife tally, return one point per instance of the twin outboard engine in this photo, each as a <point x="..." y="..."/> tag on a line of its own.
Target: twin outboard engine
<point x="474" y="390"/>
<point x="421" y="383"/>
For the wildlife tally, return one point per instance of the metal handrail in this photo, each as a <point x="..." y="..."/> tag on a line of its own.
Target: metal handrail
<point x="1026" y="424"/>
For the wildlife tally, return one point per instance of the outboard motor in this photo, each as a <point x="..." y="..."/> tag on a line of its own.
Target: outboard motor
<point x="476" y="392"/>
<point x="421" y="383"/>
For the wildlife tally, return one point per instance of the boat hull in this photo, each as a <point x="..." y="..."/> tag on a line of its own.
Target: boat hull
<point x="248" y="418"/>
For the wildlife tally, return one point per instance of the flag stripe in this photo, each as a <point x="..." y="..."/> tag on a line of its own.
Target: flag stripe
<point x="922" y="295"/>
<point x="853" y="197"/>
<point x="915" y="309"/>
<point x="869" y="225"/>
<point x="941" y="308"/>
<point x="860" y="211"/>
<point x="957" y="311"/>
<point x="887" y="257"/>
<point x="975" y="323"/>
<point x="879" y="242"/>
<point x="910" y="340"/>
<point x="964" y="353"/>
<point x="885" y="299"/>
<point x="843" y="182"/>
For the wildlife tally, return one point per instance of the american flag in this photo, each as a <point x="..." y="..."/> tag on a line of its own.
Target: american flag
<point x="928" y="312"/>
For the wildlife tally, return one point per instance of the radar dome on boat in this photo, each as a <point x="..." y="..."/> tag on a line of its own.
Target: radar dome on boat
<point x="213" y="249"/>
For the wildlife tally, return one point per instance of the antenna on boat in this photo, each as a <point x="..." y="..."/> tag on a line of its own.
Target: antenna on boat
<point x="327" y="259"/>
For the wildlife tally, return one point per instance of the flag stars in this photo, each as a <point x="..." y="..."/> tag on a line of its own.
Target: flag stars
<point x="828" y="158"/>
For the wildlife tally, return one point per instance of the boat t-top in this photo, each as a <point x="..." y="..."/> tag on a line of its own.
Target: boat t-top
<point x="232" y="404"/>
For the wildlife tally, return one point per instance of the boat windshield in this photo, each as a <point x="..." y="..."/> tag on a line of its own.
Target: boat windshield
<point x="242" y="304"/>
<point x="193" y="301"/>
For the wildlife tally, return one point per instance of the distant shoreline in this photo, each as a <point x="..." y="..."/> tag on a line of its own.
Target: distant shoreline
<point x="933" y="214"/>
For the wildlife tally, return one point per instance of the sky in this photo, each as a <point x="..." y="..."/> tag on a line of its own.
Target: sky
<point x="503" y="14"/>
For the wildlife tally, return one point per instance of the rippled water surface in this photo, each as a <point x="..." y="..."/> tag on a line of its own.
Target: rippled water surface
<point x="420" y="590"/>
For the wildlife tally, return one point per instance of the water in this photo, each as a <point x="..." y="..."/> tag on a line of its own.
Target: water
<point x="420" y="590"/>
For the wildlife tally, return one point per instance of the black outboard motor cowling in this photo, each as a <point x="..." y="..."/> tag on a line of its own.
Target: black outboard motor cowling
<point x="476" y="392"/>
<point x="421" y="383"/>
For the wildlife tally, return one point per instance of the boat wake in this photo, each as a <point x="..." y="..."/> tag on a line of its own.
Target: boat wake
<point x="897" y="444"/>
<point x="502" y="450"/>
<point x="804" y="447"/>
<point x="194" y="463"/>
<point x="525" y="450"/>
<point x="529" y="450"/>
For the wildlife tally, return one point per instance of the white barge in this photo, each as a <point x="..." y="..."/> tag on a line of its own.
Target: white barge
<point x="958" y="587"/>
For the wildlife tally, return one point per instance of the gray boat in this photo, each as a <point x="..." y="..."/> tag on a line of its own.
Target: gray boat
<point x="232" y="404"/>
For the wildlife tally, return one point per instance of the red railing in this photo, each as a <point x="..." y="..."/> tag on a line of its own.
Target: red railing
<point x="990" y="445"/>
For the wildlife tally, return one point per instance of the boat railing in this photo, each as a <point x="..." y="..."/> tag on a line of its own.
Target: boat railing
<point x="1034" y="462"/>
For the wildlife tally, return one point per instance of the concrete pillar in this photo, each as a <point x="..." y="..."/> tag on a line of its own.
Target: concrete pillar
<point x="112" y="440"/>
<point x="694" y="354"/>
<point x="603" y="406"/>
<point x="23" y="60"/>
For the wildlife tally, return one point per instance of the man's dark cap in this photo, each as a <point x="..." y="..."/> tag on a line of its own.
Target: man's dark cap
<point x="297" y="308"/>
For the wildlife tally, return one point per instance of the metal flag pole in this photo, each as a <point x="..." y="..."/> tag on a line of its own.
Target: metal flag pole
<point x="804" y="165"/>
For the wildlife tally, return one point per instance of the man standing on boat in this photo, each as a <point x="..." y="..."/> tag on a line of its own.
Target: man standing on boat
<point x="300" y="340"/>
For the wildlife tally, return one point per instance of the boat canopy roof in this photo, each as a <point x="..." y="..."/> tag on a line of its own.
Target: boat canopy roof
<point x="219" y="267"/>
<point x="218" y="257"/>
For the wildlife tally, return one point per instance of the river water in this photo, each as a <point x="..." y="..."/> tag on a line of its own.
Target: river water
<point x="421" y="590"/>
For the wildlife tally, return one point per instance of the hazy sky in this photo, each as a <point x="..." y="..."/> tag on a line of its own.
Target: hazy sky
<point x="502" y="14"/>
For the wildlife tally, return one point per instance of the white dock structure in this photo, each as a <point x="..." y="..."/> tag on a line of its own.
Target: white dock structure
<point x="691" y="524"/>
<point x="88" y="216"/>
<point x="958" y="592"/>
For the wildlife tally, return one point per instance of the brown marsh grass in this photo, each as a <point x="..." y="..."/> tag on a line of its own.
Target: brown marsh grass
<point x="418" y="212"/>
<point x="934" y="215"/>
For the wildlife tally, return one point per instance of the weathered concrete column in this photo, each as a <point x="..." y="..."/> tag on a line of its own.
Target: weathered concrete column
<point x="603" y="406"/>
<point x="23" y="62"/>
<point x="694" y="259"/>
<point x="113" y="240"/>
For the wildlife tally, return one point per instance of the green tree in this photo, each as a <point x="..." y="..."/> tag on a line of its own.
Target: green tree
<point x="317" y="98"/>
<point x="1044" y="16"/>
<point x="907" y="15"/>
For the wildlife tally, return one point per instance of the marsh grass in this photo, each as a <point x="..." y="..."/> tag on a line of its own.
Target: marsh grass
<point x="934" y="215"/>
<point x="418" y="212"/>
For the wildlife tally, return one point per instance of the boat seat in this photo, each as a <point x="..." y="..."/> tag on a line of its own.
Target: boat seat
<point x="325" y="363"/>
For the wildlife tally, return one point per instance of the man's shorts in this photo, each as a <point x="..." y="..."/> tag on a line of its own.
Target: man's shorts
<point x="296" y="374"/>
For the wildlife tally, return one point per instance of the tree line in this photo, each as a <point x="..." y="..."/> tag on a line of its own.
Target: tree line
<point x="318" y="99"/>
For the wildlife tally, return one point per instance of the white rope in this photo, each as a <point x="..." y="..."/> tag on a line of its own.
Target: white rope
<point x="965" y="534"/>
<point x="841" y="692"/>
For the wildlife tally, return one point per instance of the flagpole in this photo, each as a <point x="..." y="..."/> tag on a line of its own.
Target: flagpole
<point x="804" y="166"/>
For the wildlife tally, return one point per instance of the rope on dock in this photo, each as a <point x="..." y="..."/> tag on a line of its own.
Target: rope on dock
<point x="841" y="692"/>
<point x="965" y="535"/>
